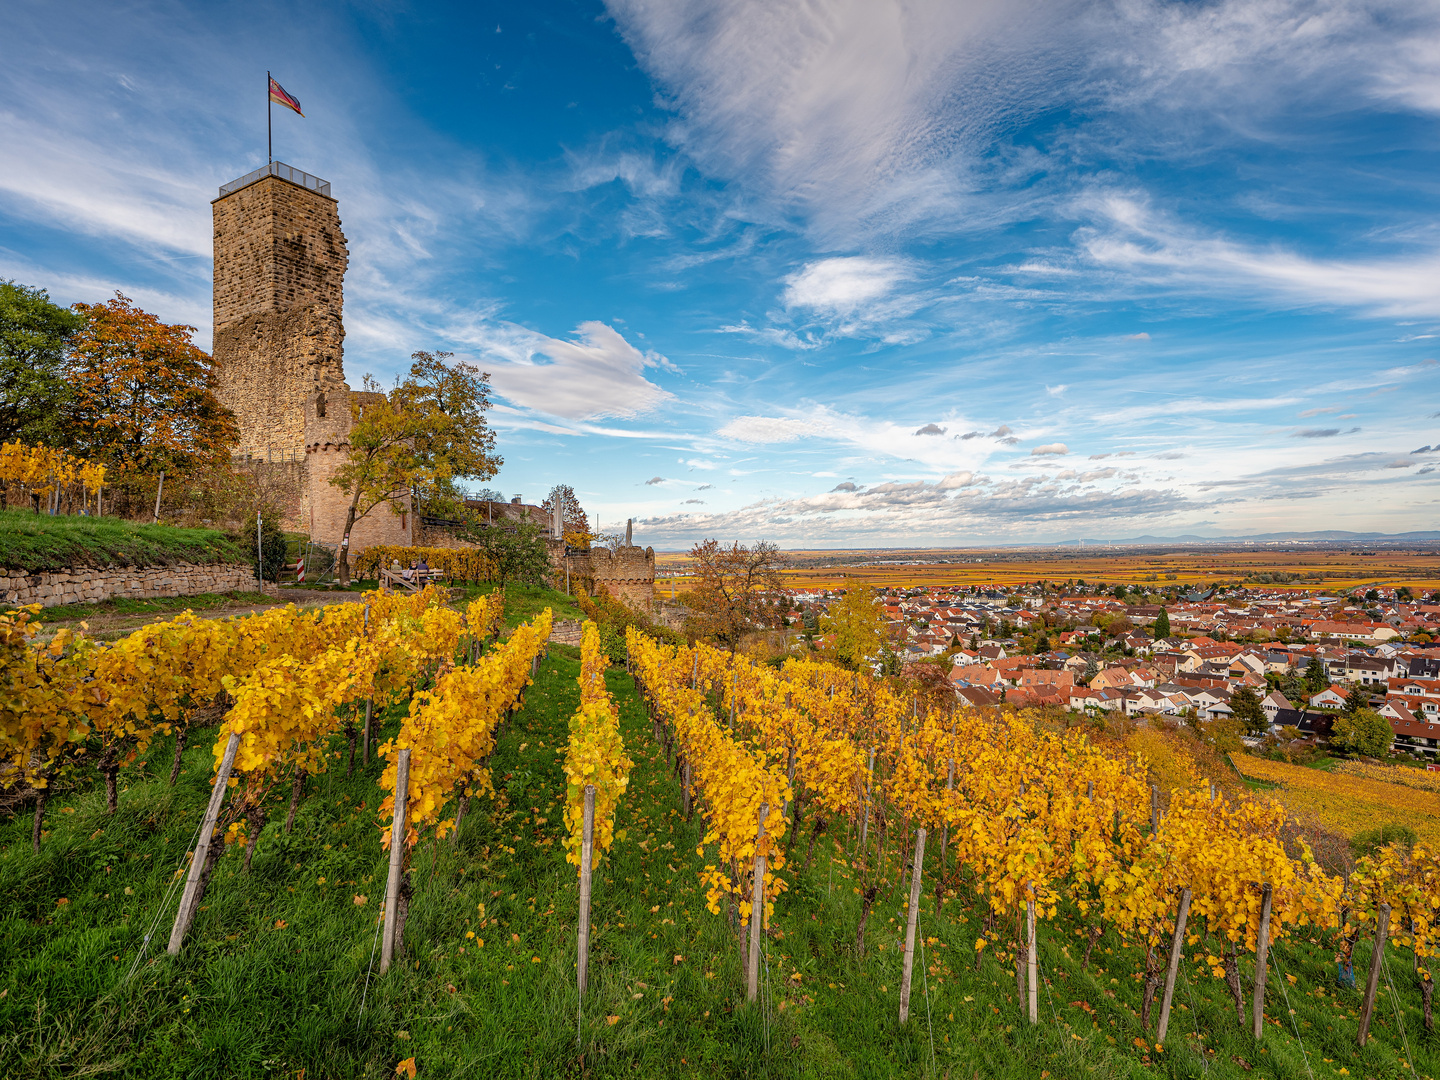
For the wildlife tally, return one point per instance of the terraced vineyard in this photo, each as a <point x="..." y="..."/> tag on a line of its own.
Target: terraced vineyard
<point x="1348" y="803"/>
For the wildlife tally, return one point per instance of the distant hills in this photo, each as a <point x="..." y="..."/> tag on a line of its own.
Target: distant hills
<point x="1331" y="536"/>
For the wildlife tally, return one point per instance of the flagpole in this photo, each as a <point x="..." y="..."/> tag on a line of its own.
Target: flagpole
<point x="269" y="135"/>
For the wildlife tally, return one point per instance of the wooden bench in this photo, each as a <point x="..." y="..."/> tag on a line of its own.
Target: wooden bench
<point x="417" y="580"/>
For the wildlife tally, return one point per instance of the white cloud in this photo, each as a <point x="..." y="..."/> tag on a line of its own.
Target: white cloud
<point x="842" y="286"/>
<point x="766" y="429"/>
<point x="1133" y="237"/>
<point x="1050" y="449"/>
<point x="850" y="109"/>
<point x="596" y="375"/>
<point x="1056" y="391"/>
<point x="771" y="335"/>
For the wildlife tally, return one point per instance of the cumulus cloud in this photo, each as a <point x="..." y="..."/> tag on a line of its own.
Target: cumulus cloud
<point x="1002" y="433"/>
<point x="931" y="429"/>
<point x="1422" y="450"/>
<point x="846" y="486"/>
<point x="654" y="480"/>
<point x="693" y="502"/>
<point x="1056" y="391"/>
<point x="705" y="487"/>
<point x="1050" y="449"/>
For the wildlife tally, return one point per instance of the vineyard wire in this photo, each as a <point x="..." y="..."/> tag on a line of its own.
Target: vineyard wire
<point x="1195" y="1019"/>
<point x="767" y="998"/>
<point x="1395" y="1004"/>
<point x="1050" y="993"/>
<point x="1284" y="989"/>
<point x="373" y="942"/>
<point x="175" y="879"/>
<point x="924" y="975"/>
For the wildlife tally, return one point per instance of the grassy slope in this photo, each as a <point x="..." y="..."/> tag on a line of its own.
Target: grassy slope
<point x="250" y="997"/>
<point x="40" y="542"/>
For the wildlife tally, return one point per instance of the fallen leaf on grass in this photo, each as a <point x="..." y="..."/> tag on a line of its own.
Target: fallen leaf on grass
<point x="280" y="924"/>
<point x="360" y="900"/>
<point x="406" y="1068"/>
<point x="612" y="1020"/>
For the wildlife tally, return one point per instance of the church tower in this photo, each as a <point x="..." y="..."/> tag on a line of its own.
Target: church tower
<point x="280" y="262"/>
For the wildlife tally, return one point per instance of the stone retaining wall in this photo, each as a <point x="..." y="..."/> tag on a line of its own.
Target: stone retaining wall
<point x="81" y="586"/>
<point x="567" y="632"/>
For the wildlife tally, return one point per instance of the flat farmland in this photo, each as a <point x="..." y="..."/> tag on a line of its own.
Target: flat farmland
<point x="1330" y="568"/>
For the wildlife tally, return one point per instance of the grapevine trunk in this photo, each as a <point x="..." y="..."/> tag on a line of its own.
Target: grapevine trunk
<point x="180" y="734"/>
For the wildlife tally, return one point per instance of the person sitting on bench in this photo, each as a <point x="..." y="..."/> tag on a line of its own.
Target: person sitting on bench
<point x="409" y="573"/>
<point x="422" y="569"/>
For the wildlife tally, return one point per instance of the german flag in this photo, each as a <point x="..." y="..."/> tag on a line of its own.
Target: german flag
<point x="280" y="97"/>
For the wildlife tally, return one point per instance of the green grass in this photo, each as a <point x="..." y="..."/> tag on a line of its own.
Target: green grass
<point x="524" y="602"/>
<point x="160" y="606"/>
<point x="248" y="997"/>
<point x="33" y="542"/>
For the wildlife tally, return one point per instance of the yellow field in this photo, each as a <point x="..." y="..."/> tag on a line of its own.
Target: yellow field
<point x="1346" y="803"/>
<point x="1338" y="569"/>
<point x="1392" y="774"/>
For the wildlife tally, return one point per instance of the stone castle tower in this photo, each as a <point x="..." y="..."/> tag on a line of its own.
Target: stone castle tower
<point x="280" y="261"/>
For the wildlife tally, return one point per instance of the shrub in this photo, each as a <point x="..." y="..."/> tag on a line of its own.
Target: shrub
<point x="1371" y="841"/>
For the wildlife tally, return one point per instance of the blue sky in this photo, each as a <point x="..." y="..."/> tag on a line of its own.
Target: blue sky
<point x="826" y="272"/>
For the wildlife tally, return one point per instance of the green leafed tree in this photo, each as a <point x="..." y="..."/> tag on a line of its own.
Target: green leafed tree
<point x="1316" y="677"/>
<point x="34" y="337"/>
<point x="1245" y="707"/>
<point x="515" y="548"/>
<point x="1363" y="732"/>
<point x="1162" y="625"/>
<point x="447" y="401"/>
<point x="419" y="438"/>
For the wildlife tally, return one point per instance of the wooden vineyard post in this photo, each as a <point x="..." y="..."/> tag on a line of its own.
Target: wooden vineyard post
<point x="757" y="912"/>
<point x="1262" y="953"/>
<point x="1177" y="947"/>
<point x="1032" y="962"/>
<point x="1372" y="981"/>
<point x="369" y="708"/>
<point x="1090" y="790"/>
<point x="915" y="876"/>
<point x="397" y="855"/>
<point x="188" y="899"/>
<point x="945" y="827"/>
<point x="869" y="777"/>
<point x="1154" y="808"/>
<point x="587" y="854"/>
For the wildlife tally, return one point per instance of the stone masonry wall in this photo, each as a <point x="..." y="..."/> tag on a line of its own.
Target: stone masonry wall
<point x="80" y="586"/>
<point x="628" y="574"/>
<point x="280" y="260"/>
<point x="325" y="506"/>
